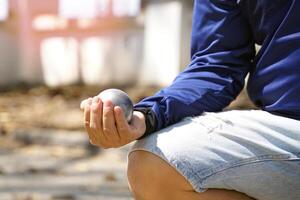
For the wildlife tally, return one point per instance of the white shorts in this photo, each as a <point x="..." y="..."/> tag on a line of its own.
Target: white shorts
<point x="253" y="152"/>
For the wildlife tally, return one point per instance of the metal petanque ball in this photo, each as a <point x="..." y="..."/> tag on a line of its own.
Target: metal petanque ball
<point x="119" y="98"/>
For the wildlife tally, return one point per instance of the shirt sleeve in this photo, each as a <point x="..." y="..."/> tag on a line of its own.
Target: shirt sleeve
<point x="222" y="50"/>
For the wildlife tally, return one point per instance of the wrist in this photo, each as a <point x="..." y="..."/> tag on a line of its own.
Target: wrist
<point x="149" y="120"/>
<point x="142" y="123"/>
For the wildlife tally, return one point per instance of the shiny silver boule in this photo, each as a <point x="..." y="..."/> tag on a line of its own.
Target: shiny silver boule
<point x="119" y="98"/>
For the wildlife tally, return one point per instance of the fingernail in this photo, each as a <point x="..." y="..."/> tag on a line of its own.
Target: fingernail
<point x="94" y="106"/>
<point x="96" y="99"/>
<point x="108" y="104"/>
<point x="89" y="101"/>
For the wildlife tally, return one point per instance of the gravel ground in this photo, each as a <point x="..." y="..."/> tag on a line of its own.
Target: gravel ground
<point x="44" y="151"/>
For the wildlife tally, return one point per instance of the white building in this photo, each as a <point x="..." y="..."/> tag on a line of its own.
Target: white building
<point x="145" y="42"/>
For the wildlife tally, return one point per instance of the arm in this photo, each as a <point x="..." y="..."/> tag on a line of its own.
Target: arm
<point x="222" y="50"/>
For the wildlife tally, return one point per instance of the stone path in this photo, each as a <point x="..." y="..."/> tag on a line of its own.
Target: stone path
<point x="41" y="158"/>
<point x="57" y="165"/>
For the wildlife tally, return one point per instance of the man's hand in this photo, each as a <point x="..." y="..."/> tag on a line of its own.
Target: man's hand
<point x="106" y="124"/>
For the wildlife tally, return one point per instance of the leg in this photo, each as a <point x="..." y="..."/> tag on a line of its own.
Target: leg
<point x="151" y="178"/>
<point x="252" y="152"/>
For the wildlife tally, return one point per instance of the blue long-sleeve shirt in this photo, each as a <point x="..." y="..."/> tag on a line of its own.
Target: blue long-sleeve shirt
<point x="224" y="35"/>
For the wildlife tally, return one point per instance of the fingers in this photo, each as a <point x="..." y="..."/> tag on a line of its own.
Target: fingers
<point x="83" y="103"/>
<point x="121" y="122"/>
<point x="95" y="114"/>
<point x="87" y="118"/>
<point x="106" y="124"/>
<point x="109" y="124"/>
<point x="96" y="122"/>
<point x="86" y="112"/>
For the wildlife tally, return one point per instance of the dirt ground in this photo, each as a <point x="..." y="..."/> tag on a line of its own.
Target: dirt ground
<point x="45" y="153"/>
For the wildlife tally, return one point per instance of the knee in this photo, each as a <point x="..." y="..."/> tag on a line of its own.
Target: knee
<point x="141" y="173"/>
<point x="149" y="175"/>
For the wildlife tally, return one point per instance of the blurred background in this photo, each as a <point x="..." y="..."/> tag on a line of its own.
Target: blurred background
<point x="55" y="53"/>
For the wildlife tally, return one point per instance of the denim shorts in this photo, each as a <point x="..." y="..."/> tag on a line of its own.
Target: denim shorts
<point x="251" y="151"/>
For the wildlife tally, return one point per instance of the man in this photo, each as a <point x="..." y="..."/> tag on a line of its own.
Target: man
<point x="187" y="147"/>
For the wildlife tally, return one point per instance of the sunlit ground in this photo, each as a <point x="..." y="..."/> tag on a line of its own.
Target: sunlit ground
<point x="45" y="153"/>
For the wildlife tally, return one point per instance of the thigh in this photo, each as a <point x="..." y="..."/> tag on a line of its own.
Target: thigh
<point x="150" y="177"/>
<point x="214" y="148"/>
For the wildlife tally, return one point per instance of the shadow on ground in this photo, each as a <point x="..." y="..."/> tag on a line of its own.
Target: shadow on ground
<point x="44" y="151"/>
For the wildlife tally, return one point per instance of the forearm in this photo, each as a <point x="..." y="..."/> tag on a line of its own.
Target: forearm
<point x="222" y="49"/>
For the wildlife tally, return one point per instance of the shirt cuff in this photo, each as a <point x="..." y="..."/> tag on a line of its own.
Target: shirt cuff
<point x="150" y="120"/>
